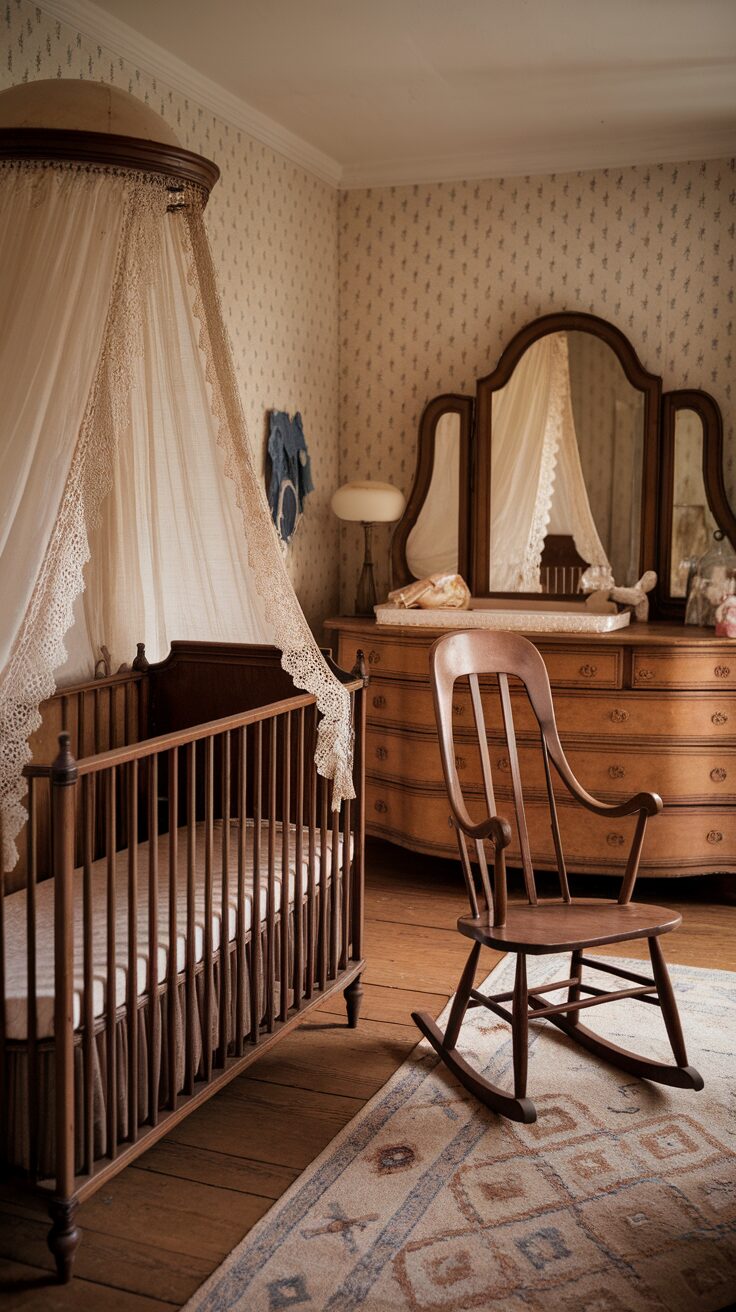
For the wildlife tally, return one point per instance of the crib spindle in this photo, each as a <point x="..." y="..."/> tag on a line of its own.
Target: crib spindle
<point x="240" y="950"/>
<point x="225" y="981"/>
<point x="256" y="956"/>
<point x="345" y="886"/>
<point x="298" y="976"/>
<point x="209" y="803"/>
<point x="154" y="1036"/>
<point x="285" y="864"/>
<point x="311" y="858"/>
<point x="31" y="1001"/>
<point x="190" y="955"/>
<point x="111" y="1093"/>
<point x="323" y="889"/>
<point x="271" y="895"/>
<point x="131" y="997"/>
<point x="171" y="974"/>
<point x="334" y="888"/>
<point x="63" y="1236"/>
<point x="88" y="1037"/>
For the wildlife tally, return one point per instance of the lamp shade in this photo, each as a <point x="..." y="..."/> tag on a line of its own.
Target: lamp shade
<point x="368" y="502"/>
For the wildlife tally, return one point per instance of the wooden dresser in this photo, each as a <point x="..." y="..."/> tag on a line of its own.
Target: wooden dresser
<point x="650" y="707"/>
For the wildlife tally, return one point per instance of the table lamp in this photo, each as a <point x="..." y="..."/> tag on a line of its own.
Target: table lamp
<point x="368" y="503"/>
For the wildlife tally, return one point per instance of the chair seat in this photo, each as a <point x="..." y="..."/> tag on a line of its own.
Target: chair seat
<point x="560" y="926"/>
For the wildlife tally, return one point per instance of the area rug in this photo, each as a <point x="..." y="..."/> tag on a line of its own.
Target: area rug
<point x="621" y="1197"/>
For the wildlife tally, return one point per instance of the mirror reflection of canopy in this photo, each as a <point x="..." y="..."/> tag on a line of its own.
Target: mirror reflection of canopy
<point x="537" y="482"/>
<point x="125" y="470"/>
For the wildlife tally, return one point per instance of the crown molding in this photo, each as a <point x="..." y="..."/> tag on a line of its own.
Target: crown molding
<point x="96" y="23"/>
<point x="673" y="147"/>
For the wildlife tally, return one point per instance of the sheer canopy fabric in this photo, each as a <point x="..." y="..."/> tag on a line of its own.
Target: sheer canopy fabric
<point x="125" y="467"/>
<point x="537" y="483"/>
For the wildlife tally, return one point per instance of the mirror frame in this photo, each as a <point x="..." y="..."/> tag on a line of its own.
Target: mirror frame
<point x="448" y="403"/>
<point x="649" y="384"/>
<point x="476" y="438"/>
<point x="707" y="409"/>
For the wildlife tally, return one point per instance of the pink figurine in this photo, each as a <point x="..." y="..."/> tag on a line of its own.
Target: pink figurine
<point x="726" y="618"/>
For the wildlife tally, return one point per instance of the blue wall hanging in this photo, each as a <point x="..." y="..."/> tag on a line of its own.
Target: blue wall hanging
<point x="291" y="473"/>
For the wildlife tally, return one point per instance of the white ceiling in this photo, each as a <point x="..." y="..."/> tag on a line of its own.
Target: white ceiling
<point x="395" y="91"/>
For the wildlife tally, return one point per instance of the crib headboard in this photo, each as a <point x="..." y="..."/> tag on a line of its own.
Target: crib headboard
<point x="97" y="714"/>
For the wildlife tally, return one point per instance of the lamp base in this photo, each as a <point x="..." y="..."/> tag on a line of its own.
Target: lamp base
<point x="366" y="597"/>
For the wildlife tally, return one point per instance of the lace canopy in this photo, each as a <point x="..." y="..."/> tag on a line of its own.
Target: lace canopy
<point x="130" y="505"/>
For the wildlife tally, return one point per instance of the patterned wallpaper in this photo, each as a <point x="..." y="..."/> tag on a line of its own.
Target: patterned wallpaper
<point x="434" y="280"/>
<point x="273" y="229"/>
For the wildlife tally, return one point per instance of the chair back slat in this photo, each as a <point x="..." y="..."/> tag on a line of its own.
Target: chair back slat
<point x="556" y="839"/>
<point x="480" y="725"/>
<point x="467" y="871"/>
<point x="513" y="755"/>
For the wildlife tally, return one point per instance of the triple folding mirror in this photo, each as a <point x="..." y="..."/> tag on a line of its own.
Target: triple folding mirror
<point x="567" y="460"/>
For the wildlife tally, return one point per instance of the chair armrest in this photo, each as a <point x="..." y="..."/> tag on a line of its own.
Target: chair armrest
<point x="649" y="803"/>
<point x="493" y="827"/>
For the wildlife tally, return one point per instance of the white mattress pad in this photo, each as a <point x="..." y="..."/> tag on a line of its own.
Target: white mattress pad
<point x="16" y="966"/>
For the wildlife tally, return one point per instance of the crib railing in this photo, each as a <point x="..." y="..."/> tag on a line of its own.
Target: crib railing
<point x="204" y="887"/>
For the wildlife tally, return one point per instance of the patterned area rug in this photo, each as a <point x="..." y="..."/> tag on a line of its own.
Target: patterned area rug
<point x="622" y="1196"/>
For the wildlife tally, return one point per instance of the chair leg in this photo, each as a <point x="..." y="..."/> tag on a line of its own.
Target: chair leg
<point x="573" y="993"/>
<point x="462" y="996"/>
<point x="520" y="1027"/>
<point x="515" y="1107"/>
<point x="668" y="1004"/>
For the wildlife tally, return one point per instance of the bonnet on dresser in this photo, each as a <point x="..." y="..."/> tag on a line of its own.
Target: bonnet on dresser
<point x="130" y="504"/>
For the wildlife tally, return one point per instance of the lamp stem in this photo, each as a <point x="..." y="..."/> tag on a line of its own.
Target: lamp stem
<point x="366" y="596"/>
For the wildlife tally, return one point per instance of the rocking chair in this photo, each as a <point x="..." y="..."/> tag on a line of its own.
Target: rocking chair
<point x="536" y="927"/>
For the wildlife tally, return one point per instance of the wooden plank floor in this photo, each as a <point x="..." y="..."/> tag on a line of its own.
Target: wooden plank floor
<point x="154" y="1234"/>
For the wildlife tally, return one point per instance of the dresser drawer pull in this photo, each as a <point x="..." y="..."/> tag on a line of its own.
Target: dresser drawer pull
<point x="502" y="763"/>
<point x="588" y="671"/>
<point x="615" y="840"/>
<point x="714" y="836"/>
<point x="646" y="675"/>
<point x="722" y="671"/>
<point x="379" y="702"/>
<point x="619" y="717"/>
<point x="374" y="657"/>
<point x="719" y="717"/>
<point x="616" y="771"/>
<point x="380" y="806"/>
<point x="382" y="753"/>
<point x="458" y="708"/>
<point x="718" y="775"/>
<point x="460" y="763"/>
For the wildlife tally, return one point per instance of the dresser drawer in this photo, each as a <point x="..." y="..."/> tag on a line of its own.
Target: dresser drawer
<point x="653" y="668"/>
<point x="386" y="655"/>
<point x="617" y="717"/>
<point x="679" y="842"/>
<point x="682" y="776"/>
<point x="584" y="667"/>
<point x="574" y="667"/>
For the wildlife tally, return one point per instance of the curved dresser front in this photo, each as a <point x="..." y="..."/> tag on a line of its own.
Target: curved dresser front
<point x="651" y="707"/>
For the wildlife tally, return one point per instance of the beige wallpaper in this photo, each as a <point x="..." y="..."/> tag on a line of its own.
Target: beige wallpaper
<point x="273" y="229"/>
<point x="435" y="279"/>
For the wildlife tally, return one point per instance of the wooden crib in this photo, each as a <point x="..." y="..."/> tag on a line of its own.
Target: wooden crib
<point x="185" y="894"/>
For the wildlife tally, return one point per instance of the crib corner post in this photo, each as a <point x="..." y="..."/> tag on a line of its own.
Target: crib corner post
<point x="360" y="671"/>
<point x="64" y="1236"/>
<point x="353" y="998"/>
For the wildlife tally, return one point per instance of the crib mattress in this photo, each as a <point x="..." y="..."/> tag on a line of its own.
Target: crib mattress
<point x="15" y="918"/>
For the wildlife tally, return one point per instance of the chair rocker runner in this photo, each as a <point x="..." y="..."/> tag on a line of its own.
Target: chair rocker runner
<point x="535" y="927"/>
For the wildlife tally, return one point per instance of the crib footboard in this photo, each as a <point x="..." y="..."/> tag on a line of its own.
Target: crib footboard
<point x="204" y="896"/>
